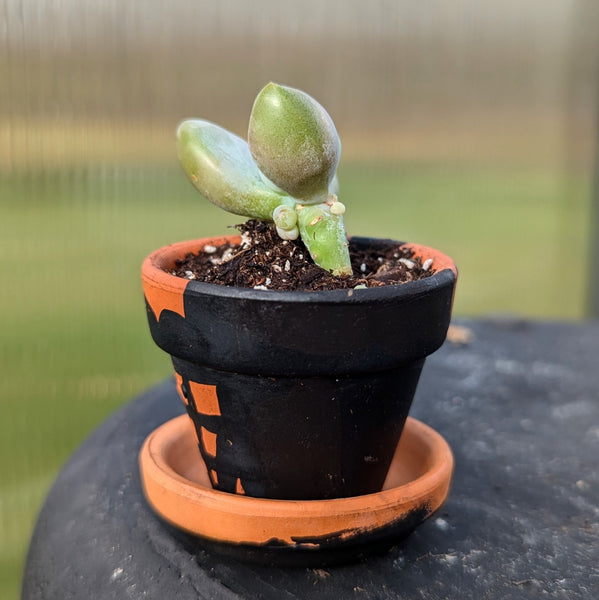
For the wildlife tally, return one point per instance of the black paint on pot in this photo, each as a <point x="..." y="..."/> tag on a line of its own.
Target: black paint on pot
<point x="269" y="332"/>
<point x="300" y="438"/>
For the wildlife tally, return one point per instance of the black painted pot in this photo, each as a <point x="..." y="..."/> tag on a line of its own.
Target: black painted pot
<point x="297" y="395"/>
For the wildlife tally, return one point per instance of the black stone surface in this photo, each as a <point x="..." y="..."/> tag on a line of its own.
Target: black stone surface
<point x="519" y="406"/>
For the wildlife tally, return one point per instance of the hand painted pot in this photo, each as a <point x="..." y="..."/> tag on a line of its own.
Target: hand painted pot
<point x="296" y="395"/>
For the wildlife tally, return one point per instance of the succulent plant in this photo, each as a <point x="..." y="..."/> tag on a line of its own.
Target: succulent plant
<point x="285" y="173"/>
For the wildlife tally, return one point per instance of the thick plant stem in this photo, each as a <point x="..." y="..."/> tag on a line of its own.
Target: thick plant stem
<point x="323" y="234"/>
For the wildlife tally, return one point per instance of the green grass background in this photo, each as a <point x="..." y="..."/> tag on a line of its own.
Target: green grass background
<point x="74" y="343"/>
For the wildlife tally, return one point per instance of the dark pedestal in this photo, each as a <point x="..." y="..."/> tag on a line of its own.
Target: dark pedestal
<point x="519" y="406"/>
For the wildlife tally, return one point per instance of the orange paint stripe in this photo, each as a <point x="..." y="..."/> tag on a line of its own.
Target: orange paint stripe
<point x="205" y="398"/>
<point x="213" y="476"/>
<point x="209" y="441"/>
<point x="160" y="299"/>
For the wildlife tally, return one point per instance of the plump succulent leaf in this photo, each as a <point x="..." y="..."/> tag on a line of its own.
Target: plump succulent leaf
<point x="220" y="166"/>
<point x="294" y="142"/>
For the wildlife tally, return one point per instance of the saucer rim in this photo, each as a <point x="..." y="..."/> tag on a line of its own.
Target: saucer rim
<point x="180" y="501"/>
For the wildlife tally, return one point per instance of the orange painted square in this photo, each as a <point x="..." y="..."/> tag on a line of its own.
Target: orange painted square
<point x="205" y="398"/>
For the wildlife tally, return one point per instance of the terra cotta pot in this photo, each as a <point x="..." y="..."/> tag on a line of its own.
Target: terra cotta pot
<point x="273" y="379"/>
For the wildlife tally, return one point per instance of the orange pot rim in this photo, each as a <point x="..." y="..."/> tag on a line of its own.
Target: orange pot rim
<point x="155" y="276"/>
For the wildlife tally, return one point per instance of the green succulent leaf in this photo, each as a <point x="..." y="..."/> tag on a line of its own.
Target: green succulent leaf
<point x="220" y="166"/>
<point x="294" y="142"/>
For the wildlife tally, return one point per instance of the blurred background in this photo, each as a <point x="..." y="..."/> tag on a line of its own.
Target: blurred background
<point x="470" y="126"/>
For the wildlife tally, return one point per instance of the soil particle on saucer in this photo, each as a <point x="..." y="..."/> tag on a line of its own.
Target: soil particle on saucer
<point x="264" y="261"/>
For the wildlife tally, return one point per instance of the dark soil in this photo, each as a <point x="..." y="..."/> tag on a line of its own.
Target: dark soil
<point x="264" y="261"/>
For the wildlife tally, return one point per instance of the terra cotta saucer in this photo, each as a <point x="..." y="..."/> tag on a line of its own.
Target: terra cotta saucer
<point x="177" y="487"/>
